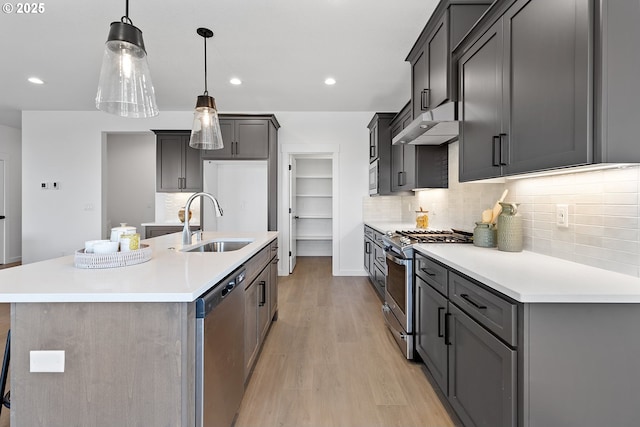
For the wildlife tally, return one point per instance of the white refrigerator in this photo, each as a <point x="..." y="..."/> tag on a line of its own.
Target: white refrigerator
<point x="241" y="189"/>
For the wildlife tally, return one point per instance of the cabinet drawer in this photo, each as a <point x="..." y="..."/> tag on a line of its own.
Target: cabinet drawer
<point x="368" y="232"/>
<point x="274" y="248"/>
<point x="378" y="238"/>
<point x="257" y="263"/>
<point x="492" y="311"/>
<point x="432" y="273"/>
<point x="380" y="258"/>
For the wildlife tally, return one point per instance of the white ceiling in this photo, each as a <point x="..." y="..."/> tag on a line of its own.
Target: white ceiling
<point x="282" y="50"/>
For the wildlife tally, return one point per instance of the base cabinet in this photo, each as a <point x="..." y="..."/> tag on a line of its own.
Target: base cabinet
<point x="482" y="373"/>
<point x="261" y="302"/>
<point x="375" y="262"/>
<point x="459" y="331"/>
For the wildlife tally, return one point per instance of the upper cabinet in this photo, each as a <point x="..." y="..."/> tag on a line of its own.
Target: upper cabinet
<point x="380" y="151"/>
<point x="546" y="85"/>
<point x="525" y="89"/>
<point x="432" y="71"/>
<point x="178" y="166"/>
<point x="243" y="139"/>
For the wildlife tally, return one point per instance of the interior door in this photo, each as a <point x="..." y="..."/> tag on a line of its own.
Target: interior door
<point x="3" y="221"/>
<point x="293" y="234"/>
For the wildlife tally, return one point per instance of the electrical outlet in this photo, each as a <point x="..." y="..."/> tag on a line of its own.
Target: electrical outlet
<point x="44" y="185"/>
<point x="562" y="216"/>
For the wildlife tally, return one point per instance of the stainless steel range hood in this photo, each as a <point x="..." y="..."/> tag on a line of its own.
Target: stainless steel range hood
<point x="433" y="127"/>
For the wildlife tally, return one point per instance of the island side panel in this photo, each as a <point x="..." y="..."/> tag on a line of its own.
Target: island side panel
<point x="583" y="365"/>
<point x="125" y="365"/>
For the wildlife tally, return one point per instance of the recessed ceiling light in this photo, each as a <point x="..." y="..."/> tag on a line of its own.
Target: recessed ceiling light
<point x="235" y="81"/>
<point x="330" y="81"/>
<point x="35" y="81"/>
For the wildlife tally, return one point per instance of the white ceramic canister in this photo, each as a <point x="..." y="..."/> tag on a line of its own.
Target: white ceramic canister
<point x="116" y="232"/>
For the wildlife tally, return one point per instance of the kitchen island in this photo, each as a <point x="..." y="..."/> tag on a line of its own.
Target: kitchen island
<point x="128" y="334"/>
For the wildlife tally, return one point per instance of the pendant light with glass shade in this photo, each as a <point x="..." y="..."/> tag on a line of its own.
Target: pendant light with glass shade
<point x="205" y="133"/>
<point x="125" y="88"/>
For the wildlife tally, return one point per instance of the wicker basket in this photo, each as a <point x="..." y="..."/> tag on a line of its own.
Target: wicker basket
<point x="117" y="259"/>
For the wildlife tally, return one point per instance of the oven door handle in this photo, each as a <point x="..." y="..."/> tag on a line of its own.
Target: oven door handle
<point x="396" y="260"/>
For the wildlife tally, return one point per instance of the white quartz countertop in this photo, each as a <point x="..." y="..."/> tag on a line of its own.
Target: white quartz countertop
<point x="170" y="275"/>
<point x="169" y="224"/>
<point x="534" y="278"/>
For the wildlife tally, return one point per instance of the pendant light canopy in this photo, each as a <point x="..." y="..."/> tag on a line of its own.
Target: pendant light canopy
<point x="125" y="87"/>
<point x="205" y="133"/>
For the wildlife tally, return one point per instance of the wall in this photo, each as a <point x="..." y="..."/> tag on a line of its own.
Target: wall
<point x="131" y="179"/>
<point x="11" y="152"/>
<point x="68" y="147"/>
<point x="604" y="207"/>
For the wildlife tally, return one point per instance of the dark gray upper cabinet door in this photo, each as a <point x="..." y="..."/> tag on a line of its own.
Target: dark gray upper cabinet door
<point x="373" y="142"/>
<point x="228" y="137"/>
<point x="481" y="107"/>
<point x="419" y="82"/>
<point x="482" y="374"/>
<point x="169" y="163"/>
<point x="252" y="139"/>
<point x="546" y="85"/>
<point x="430" y="313"/>
<point x="438" y="64"/>
<point x="403" y="168"/>
<point x="192" y="167"/>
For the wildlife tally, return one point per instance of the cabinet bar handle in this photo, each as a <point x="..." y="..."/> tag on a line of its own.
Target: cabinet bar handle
<point x="263" y="293"/>
<point x="447" y="328"/>
<point x="402" y="180"/>
<point x="495" y="152"/>
<point x="367" y="247"/>
<point x="468" y="299"/>
<point x="440" y="334"/>
<point x="424" y="99"/>
<point x="504" y="149"/>
<point x="372" y="151"/>
<point x="428" y="271"/>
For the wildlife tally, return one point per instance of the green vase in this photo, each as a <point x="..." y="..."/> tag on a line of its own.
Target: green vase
<point x="510" y="228"/>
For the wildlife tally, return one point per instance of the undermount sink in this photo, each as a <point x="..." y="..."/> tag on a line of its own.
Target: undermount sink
<point x="220" y="246"/>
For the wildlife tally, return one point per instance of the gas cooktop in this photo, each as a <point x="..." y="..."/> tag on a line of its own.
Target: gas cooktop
<point x="410" y="237"/>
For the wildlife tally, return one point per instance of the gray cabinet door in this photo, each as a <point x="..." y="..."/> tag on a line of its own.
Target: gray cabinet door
<point x="192" y="171"/>
<point x="429" y="333"/>
<point x="481" y="107"/>
<point x="438" y="64"/>
<point x="403" y="168"/>
<point x="368" y="254"/>
<point x="169" y="151"/>
<point x="251" y="335"/>
<point x="273" y="287"/>
<point x="419" y="83"/>
<point x="373" y="142"/>
<point x="264" y="311"/>
<point x="178" y="166"/>
<point x="228" y="136"/>
<point x="482" y="374"/>
<point x="546" y="85"/>
<point x="252" y="139"/>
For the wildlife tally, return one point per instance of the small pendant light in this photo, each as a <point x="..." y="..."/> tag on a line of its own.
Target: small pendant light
<point x="205" y="133"/>
<point x="125" y="87"/>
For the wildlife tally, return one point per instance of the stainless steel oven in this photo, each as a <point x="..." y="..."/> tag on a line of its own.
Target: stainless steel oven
<point x="373" y="177"/>
<point x="398" y="305"/>
<point x="399" y="292"/>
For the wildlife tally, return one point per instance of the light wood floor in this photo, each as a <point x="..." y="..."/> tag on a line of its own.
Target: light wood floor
<point x="329" y="361"/>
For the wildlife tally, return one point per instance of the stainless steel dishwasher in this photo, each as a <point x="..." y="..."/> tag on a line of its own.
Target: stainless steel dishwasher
<point x="220" y="352"/>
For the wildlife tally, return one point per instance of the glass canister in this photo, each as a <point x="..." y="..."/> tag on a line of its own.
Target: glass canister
<point x="422" y="219"/>
<point x="509" y="228"/>
<point x="484" y="235"/>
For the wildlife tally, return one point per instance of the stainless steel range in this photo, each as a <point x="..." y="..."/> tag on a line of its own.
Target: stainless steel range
<point x="399" y="290"/>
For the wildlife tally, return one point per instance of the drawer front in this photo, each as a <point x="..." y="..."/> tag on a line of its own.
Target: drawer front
<point x="380" y="258"/>
<point x="256" y="264"/>
<point x="378" y="238"/>
<point x="368" y="232"/>
<point x="274" y="248"/>
<point x="493" y="312"/>
<point x="432" y="273"/>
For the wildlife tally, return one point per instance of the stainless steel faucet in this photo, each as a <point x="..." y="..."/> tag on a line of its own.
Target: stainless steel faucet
<point x="186" y="231"/>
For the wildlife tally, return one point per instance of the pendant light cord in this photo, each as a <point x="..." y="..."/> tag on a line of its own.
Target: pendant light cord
<point x="126" y="18"/>
<point x="206" y="91"/>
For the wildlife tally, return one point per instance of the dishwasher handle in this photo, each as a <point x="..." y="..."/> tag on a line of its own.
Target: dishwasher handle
<point x="209" y="301"/>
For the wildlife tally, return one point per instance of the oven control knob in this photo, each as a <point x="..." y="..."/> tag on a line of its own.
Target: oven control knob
<point x="386" y="308"/>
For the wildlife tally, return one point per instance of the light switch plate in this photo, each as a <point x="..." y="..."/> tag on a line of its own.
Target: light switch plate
<point x="46" y="361"/>
<point x="562" y="216"/>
